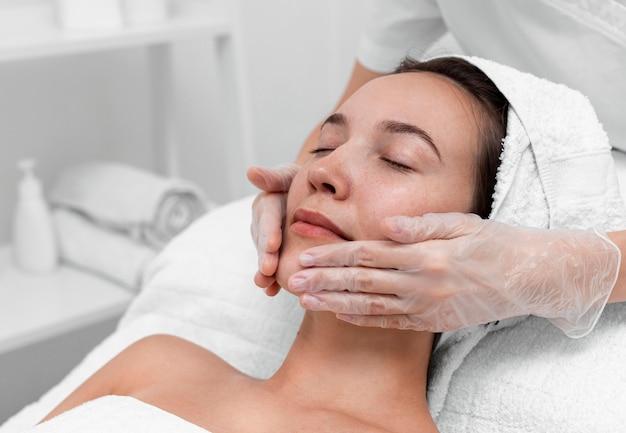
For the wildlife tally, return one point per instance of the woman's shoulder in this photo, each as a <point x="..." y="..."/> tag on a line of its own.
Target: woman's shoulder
<point x="184" y="379"/>
<point x="163" y="358"/>
<point x="152" y="367"/>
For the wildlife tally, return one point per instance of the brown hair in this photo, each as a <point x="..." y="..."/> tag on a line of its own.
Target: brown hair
<point x="493" y="108"/>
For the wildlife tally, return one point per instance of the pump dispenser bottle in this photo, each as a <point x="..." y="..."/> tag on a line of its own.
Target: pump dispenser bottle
<point x="34" y="239"/>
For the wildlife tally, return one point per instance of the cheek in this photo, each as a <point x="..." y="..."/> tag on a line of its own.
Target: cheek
<point x="381" y="201"/>
<point x="386" y="198"/>
<point x="454" y="194"/>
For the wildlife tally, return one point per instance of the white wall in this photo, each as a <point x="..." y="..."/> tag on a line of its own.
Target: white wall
<point x="300" y="55"/>
<point x="297" y="57"/>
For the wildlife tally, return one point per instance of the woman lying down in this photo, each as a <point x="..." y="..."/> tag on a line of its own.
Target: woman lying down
<point x="425" y="138"/>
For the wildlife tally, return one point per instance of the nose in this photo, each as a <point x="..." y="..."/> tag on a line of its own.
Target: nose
<point x="329" y="175"/>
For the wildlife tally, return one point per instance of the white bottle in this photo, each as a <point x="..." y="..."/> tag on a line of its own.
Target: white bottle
<point x="34" y="240"/>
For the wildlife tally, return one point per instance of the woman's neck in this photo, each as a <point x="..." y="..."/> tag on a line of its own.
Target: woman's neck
<point x="373" y="374"/>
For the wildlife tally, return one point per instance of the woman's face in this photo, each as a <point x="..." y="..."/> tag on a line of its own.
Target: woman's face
<point x="420" y="120"/>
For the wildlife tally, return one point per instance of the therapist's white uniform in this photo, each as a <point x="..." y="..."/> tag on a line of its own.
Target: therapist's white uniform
<point x="580" y="43"/>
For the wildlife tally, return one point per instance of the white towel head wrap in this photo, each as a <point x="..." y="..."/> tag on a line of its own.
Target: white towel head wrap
<point x="556" y="168"/>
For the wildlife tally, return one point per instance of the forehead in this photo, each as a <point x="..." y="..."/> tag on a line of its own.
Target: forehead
<point x="430" y="101"/>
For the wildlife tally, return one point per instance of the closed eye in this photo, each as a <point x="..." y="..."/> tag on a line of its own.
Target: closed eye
<point x="321" y="149"/>
<point x="396" y="165"/>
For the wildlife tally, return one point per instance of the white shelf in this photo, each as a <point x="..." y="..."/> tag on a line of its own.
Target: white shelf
<point x="33" y="307"/>
<point x="65" y="42"/>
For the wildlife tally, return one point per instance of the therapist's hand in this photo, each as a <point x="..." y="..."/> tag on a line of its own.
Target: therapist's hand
<point x="441" y="272"/>
<point x="268" y="213"/>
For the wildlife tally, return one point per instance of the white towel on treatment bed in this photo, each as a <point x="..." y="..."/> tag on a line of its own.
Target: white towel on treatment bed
<point x="114" y="413"/>
<point x="519" y="375"/>
<point x="151" y="209"/>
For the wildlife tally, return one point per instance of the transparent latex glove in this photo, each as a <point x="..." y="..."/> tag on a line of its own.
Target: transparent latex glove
<point x="441" y="272"/>
<point x="268" y="213"/>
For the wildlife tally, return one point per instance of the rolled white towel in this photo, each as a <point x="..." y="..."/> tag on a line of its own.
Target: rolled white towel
<point x="150" y="208"/>
<point x="101" y="251"/>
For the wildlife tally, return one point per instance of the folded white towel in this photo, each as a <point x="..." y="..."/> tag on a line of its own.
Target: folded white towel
<point x="150" y="208"/>
<point x="101" y="251"/>
<point x="556" y="171"/>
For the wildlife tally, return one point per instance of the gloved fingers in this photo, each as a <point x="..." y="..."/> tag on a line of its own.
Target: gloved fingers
<point x="254" y="223"/>
<point x="371" y="254"/>
<point x="273" y="289"/>
<point x="435" y="320"/>
<point x="276" y="179"/>
<point x="407" y="229"/>
<point x="263" y="281"/>
<point x="352" y="279"/>
<point x="257" y="207"/>
<point x="353" y="303"/>
<point x="459" y="312"/>
<point x="268" y="265"/>
<point x="268" y="284"/>
<point x="397" y="321"/>
<point x="269" y="222"/>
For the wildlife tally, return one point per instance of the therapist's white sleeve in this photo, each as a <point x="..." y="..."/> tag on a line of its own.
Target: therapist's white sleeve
<point x="398" y="28"/>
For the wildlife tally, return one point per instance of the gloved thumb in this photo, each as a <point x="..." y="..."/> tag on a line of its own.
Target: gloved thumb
<point x="277" y="179"/>
<point x="411" y="229"/>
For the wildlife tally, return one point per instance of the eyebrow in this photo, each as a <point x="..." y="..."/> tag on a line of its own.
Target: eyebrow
<point x="335" y="119"/>
<point x="389" y="126"/>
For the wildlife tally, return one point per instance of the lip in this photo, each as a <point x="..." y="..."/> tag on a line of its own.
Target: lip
<point x="313" y="218"/>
